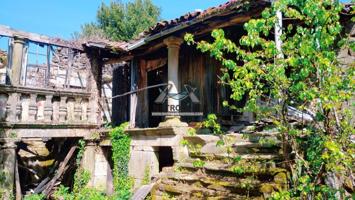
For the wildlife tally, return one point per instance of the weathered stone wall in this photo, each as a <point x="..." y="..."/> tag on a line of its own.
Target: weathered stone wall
<point x="145" y="150"/>
<point x="96" y="161"/>
<point x="61" y="64"/>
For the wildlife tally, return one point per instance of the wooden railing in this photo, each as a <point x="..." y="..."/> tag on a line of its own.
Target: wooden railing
<point x="24" y="105"/>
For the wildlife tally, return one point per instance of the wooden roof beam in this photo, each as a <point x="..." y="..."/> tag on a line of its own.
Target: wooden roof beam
<point x="34" y="37"/>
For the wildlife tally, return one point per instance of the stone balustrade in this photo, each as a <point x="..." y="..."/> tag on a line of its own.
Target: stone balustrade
<point x="24" y="105"/>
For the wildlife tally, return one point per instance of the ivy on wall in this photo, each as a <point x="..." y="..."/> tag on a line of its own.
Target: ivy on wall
<point x="120" y="156"/>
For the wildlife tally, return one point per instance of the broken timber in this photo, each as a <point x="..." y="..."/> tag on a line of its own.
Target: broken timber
<point x="61" y="170"/>
<point x="9" y="32"/>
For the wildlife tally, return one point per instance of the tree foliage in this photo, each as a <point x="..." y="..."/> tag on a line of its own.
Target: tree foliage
<point x="305" y="75"/>
<point x="122" y="21"/>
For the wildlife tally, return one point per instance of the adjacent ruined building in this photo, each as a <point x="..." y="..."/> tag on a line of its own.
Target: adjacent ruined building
<point x="51" y="94"/>
<point x="54" y="92"/>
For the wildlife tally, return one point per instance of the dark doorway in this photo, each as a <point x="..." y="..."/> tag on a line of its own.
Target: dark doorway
<point x="156" y="76"/>
<point x="165" y="157"/>
<point x="120" y="106"/>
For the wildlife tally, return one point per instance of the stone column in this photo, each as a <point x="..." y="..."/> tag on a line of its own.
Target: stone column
<point x="11" y="109"/>
<point x="32" y="108"/>
<point x="173" y="44"/>
<point x="88" y="160"/>
<point x="62" y="109"/>
<point x="8" y="163"/>
<point x="48" y="108"/>
<point x="84" y="110"/>
<point x="3" y="106"/>
<point x="92" y="110"/>
<point x="77" y="109"/>
<point x="14" y="75"/>
<point x="70" y="110"/>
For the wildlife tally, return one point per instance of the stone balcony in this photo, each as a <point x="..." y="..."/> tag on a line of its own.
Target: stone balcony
<point x="42" y="109"/>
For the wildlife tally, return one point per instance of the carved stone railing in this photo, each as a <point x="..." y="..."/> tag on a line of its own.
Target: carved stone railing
<point x="24" y="105"/>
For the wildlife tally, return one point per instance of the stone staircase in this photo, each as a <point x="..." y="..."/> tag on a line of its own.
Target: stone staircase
<point x="247" y="166"/>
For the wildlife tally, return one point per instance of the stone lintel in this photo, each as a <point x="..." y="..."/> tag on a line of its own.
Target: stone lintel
<point x="144" y="148"/>
<point x="159" y="131"/>
<point x="52" y="133"/>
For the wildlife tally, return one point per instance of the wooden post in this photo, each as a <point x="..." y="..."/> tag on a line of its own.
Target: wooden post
<point x="17" y="183"/>
<point x="133" y="97"/>
<point x="48" y="74"/>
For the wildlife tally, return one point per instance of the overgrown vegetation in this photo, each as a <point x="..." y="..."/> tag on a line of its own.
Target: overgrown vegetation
<point x="120" y="156"/>
<point x="122" y="21"/>
<point x="4" y="185"/>
<point x="146" y="178"/>
<point x="303" y="75"/>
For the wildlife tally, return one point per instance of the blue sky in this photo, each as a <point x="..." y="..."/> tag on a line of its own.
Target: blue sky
<point x="61" y="18"/>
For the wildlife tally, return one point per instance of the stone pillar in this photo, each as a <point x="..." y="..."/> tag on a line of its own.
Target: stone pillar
<point x="84" y="109"/>
<point x="55" y="113"/>
<point x="70" y="109"/>
<point x="48" y="108"/>
<point x="88" y="160"/>
<point x="173" y="44"/>
<point x="7" y="165"/>
<point x="62" y="109"/>
<point x="141" y="159"/>
<point x="11" y="110"/>
<point x="41" y="103"/>
<point x="32" y="108"/>
<point x="93" y="109"/>
<point x="14" y="74"/>
<point x="3" y="106"/>
<point x="77" y="109"/>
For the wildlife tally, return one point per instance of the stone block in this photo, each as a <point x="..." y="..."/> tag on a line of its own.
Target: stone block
<point x="139" y="161"/>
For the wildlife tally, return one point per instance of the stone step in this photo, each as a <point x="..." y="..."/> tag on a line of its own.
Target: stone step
<point x="247" y="147"/>
<point x="210" y="182"/>
<point x="205" y="188"/>
<point x="262" y="157"/>
<point x="255" y="136"/>
<point x="251" y="137"/>
<point x="230" y="172"/>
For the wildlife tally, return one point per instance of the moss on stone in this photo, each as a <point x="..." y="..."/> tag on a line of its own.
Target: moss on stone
<point x="266" y="188"/>
<point x="280" y="178"/>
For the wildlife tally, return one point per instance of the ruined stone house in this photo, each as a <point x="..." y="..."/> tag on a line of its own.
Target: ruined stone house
<point x="54" y="92"/>
<point x="161" y="56"/>
<point x="51" y="94"/>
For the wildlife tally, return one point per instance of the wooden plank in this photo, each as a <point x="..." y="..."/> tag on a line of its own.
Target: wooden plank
<point x="9" y="32"/>
<point x="143" y="192"/>
<point x="17" y="183"/>
<point x="143" y="104"/>
<point x="70" y="63"/>
<point x="48" y="74"/>
<point x="133" y="97"/>
<point x="60" y="171"/>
